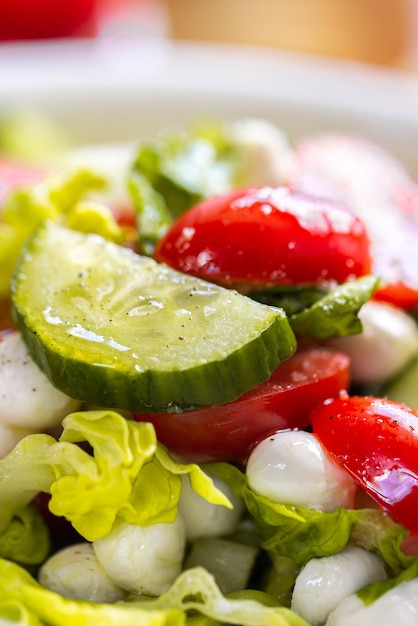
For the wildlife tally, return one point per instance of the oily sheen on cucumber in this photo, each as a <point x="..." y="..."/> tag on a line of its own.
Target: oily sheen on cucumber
<point x="116" y="329"/>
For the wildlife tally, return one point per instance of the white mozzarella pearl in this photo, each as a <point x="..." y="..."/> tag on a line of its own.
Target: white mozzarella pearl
<point x="292" y="467"/>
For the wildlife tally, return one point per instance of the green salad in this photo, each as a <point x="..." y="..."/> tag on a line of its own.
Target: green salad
<point x="208" y="358"/>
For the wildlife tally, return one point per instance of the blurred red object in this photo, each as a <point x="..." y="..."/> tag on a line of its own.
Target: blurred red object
<point x="48" y="19"/>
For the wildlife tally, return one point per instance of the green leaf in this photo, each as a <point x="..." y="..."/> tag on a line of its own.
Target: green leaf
<point x="196" y="590"/>
<point x="26" y="538"/>
<point x="172" y="173"/>
<point x="302" y="534"/>
<point x="336" y="314"/>
<point x="127" y="476"/>
<point x="23" y="600"/>
<point x="153" y="216"/>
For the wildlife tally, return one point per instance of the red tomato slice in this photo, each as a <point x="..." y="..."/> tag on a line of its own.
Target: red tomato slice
<point x="376" y="440"/>
<point x="380" y="191"/>
<point x="228" y="431"/>
<point x="14" y="174"/>
<point x="267" y="236"/>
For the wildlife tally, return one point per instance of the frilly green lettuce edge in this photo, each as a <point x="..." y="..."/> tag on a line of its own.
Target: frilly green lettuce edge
<point x="194" y="593"/>
<point x="120" y="471"/>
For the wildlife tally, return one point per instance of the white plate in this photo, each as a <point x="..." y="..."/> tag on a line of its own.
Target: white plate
<point x="120" y="89"/>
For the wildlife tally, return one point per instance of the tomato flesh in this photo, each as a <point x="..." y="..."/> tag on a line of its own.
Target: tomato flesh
<point x="376" y="440"/>
<point x="267" y="236"/>
<point x="228" y="432"/>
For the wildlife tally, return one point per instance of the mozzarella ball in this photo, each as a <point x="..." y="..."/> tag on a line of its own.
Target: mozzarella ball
<point x="204" y="519"/>
<point x="28" y="401"/>
<point x="324" y="582"/>
<point x="75" y="572"/>
<point x="143" y="559"/>
<point x="397" y="606"/>
<point x="388" y="342"/>
<point x="292" y="467"/>
<point x="264" y="151"/>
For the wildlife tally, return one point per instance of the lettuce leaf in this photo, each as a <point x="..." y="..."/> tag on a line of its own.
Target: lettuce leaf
<point x="336" y="313"/>
<point x="322" y="311"/>
<point x="128" y="475"/>
<point x="302" y="534"/>
<point x="173" y="172"/>
<point x="23" y="600"/>
<point x="26" y="538"/>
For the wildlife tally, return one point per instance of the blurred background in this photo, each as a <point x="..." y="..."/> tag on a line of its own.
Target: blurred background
<point x="380" y="32"/>
<point x="372" y="31"/>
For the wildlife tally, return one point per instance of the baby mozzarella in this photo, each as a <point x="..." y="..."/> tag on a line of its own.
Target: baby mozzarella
<point x="75" y="572"/>
<point x="388" y="342"/>
<point x="204" y="519"/>
<point x="28" y="401"/>
<point x="397" y="606"/>
<point x="325" y="582"/>
<point x="143" y="559"/>
<point x="292" y="467"/>
<point x="264" y="151"/>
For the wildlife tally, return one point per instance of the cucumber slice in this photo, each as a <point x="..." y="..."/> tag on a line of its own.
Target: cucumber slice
<point x="117" y="329"/>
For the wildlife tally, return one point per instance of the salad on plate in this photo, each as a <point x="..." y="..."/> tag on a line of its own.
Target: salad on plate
<point x="208" y="364"/>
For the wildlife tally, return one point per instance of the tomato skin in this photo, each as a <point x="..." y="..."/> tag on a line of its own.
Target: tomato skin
<point x="399" y="294"/>
<point x="228" y="432"/>
<point x="267" y="236"/>
<point x="376" y="440"/>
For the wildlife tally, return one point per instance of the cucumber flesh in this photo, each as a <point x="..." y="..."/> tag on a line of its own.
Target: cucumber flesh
<point x="117" y="329"/>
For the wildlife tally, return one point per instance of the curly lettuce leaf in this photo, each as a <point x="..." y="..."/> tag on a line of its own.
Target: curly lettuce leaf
<point x="127" y="476"/>
<point x="196" y="590"/>
<point x="24" y="601"/>
<point x="172" y="173"/>
<point x="302" y="534"/>
<point x="26" y="538"/>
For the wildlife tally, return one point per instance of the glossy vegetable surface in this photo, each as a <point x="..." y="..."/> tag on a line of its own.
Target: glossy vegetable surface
<point x="229" y="431"/>
<point x="267" y="236"/>
<point x="376" y="440"/>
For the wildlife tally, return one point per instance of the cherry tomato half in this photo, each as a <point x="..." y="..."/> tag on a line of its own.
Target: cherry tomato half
<point x="228" y="431"/>
<point x="376" y="440"/>
<point x="267" y="236"/>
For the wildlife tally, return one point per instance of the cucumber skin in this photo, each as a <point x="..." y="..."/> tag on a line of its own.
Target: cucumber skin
<point x="210" y="383"/>
<point x="161" y="391"/>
